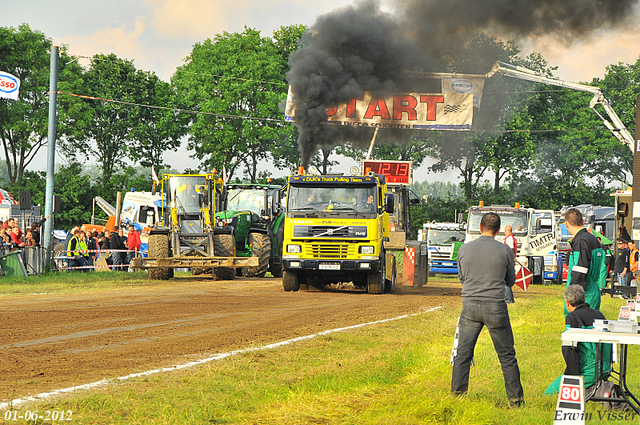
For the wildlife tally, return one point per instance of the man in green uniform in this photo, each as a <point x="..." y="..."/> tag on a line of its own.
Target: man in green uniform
<point x="586" y="259"/>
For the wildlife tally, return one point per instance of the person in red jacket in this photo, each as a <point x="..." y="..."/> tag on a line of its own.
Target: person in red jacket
<point x="133" y="243"/>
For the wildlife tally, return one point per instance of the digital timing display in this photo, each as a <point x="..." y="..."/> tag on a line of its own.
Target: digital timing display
<point x="398" y="172"/>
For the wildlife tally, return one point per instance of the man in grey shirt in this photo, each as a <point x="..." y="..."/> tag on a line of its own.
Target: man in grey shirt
<point x="485" y="266"/>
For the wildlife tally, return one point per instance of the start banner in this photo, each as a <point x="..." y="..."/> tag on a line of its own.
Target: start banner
<point x="411" y="111"/>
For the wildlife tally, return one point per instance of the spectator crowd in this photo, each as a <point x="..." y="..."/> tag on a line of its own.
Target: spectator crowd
<point x="84" y="247"/>
<point x="13" y="237"/>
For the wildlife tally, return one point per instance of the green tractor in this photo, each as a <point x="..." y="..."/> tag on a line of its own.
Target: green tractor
<point x="247" y="208"/>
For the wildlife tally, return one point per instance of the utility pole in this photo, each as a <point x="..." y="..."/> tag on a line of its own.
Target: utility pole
<point x="51" y="156"/>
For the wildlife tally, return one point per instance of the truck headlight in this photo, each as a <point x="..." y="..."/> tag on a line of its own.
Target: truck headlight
<point x="294" y="249"/>
<point x="367" y="250"/>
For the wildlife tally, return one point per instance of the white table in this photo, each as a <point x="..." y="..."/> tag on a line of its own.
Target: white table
<point x="574" y="335"/>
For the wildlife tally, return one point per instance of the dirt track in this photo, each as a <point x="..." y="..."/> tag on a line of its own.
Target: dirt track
<point x="49" y="342"/>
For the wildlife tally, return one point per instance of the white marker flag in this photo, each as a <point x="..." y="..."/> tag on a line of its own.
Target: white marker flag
<point x="9" y="86"/>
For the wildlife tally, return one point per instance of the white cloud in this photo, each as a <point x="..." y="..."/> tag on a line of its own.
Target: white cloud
<point x="194" y="19"/>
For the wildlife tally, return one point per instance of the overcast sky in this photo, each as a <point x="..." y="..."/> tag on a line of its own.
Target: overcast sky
<point x="159" y="34"/>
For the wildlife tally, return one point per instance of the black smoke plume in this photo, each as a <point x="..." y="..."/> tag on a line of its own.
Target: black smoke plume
<point x="363" y="48"/>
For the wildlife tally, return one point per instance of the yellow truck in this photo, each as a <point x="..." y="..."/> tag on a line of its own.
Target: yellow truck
<point x="334" y="231"/>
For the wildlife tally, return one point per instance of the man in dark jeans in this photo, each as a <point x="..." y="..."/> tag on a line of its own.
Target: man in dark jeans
<point x="485" y="267"/>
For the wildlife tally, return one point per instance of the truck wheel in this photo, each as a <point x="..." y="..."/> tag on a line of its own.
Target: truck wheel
<point x="159" y="248"/>
<point x="223" y="247"/>
<point x="290" y="281"/>
<point x="261" y="248"/>
<point x="375" y="280"/>
<point x="390" y="285"/>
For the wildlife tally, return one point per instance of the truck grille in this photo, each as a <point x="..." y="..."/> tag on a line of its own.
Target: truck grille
<point x="329" y="251"/>
<point x="439" y="253"/>
<point x="330" y="231"/>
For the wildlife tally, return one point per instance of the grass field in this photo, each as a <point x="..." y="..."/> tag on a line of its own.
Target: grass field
<point x="396" y="372"/>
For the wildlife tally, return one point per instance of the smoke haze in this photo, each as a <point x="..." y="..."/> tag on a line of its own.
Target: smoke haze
<point x="363" y="48"/>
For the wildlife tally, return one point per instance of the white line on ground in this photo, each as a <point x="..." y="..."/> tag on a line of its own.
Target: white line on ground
<point x="104" y="382"/>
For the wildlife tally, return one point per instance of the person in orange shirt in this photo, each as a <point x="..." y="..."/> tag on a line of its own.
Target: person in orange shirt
<point x="633" y="259"/>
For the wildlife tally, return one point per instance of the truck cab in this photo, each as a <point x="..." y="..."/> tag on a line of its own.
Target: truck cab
<point x="536" y="231"/>
<point x="443" y="242"/>
<point x="335" y="229"/>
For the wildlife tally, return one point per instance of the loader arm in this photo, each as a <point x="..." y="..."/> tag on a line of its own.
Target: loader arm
<point x="614" y="124"/>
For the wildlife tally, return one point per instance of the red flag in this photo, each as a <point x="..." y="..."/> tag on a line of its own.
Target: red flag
<point x="523" y="276"/>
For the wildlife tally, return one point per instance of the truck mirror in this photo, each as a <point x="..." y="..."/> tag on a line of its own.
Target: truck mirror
<point x="388" y="203"/>
<point x="275" y="203"/>
<point x="425" y="199"/>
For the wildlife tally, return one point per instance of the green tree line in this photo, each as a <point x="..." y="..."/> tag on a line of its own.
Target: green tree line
<point x="538" y="145"/>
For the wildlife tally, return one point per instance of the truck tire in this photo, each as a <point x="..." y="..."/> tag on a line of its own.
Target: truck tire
<point x="390" y="285"/>
<point x="290" y="281"/>
<point x="223" y="247"/>
<point x="261" y="248"/>
<point x="376" y="280"/>
<point x="159" y="248"/>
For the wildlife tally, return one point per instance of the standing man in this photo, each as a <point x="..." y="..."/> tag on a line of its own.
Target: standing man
<point x="621" y="265"/>
<point x="586" y="259"/>
<point x="485" y="267"/>
<point x="118" y="242"/>
<point x="133" y="243"/>
<point x="510" y="241"/>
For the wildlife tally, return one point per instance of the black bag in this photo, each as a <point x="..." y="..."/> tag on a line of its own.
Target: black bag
<point x="609" y="389"/>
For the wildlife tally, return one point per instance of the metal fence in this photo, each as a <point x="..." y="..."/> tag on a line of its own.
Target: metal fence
<point x="99" y="260"/>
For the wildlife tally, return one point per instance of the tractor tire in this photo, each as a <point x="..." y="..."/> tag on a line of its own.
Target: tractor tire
<point x="376" y="280"/>
<point x="290" y="281"/>
<point x="159" y="248"/>
<point x="261" y="248"/>
<point x="223" y="246"/>
<point x="390" y="285"/>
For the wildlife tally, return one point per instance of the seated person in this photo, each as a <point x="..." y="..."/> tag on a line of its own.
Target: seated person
<point x="369" y="206"/>
<point x="580" y="360"/>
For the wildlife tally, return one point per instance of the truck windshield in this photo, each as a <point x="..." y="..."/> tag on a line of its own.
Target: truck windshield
<point x="186" y="193"/>
<point x="444" y="237"/>
<point x="516" y="219"/>
<point x="362" y="199"/>
<point x="246" y="200"/>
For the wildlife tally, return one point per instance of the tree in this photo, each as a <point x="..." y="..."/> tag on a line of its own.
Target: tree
<point x="160" y="127"/>
<point x="25" y="53"/>
<point x="489" y="145"/>
<point x="106" y="128"/>
<point x="236" y="83"/>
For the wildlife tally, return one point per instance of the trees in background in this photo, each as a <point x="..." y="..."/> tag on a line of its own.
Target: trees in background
<point x="25" y="53"/>
<point x="536" y="144"/>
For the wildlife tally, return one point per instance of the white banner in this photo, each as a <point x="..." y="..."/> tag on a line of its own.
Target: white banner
<point x="412" y="111"/>
<point x="9" y="86"/>
<point x="465" y="85"/>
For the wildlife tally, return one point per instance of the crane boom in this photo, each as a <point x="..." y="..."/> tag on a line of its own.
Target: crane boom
<point x="614" y="124"/>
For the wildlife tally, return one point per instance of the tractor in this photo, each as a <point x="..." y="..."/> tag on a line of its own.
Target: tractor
<point x="247" y="209"/>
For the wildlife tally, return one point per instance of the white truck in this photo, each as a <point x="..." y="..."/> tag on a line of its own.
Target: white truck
<point x="536" y="231"/>
<point x="443" y="242"/>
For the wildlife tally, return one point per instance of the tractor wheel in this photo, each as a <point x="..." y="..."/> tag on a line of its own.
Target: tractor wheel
<point x="376" y="280"/>
<point x="390" y="285"/>
<point x="261" y="248"/>
<point x="290" y="281"/>
<point x="223" y="247"/>
<point x="276" y="270"/>
<point x="159" y="248"/>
